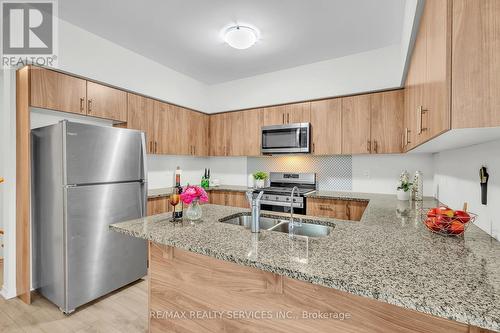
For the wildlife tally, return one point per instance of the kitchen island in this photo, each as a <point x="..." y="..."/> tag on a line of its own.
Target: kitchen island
<point x="385" y="273"/>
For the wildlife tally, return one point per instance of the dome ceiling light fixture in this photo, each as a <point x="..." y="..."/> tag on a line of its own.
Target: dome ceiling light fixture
<point x="240" y="36"/>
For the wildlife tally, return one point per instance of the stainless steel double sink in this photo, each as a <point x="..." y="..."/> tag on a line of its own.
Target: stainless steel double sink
<point x="281" y="225"/>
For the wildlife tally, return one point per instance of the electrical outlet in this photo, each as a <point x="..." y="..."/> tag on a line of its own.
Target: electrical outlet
<point x="366" y="173"/>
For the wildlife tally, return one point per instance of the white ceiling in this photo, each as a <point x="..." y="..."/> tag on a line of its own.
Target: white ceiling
<point x="185" y="34"/>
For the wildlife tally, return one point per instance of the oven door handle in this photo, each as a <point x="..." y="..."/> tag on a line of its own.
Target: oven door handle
<point x="281" y="204"/>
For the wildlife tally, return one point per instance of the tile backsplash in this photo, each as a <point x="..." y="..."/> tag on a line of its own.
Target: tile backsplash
<point x="333" y="173"/>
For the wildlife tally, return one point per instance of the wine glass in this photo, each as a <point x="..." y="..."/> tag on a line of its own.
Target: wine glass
<point x="174" y="201"/>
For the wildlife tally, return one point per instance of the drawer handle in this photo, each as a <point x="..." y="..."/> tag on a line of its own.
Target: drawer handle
<point x="82" y="101"/>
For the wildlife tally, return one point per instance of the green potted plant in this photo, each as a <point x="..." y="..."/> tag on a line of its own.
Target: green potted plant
<point x="260" y="179"/>
<point x="404" y="188"/>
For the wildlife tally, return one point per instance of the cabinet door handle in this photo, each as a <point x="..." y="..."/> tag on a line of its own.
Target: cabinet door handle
<point x="82" y="101"/>
<point x="369" y="146"/>
<point x="89" y="106"/>
<point x="156" y="147"/>
<point x="420" y="114"/>
<point x="375" y="146"/>
<point x="288" y="118"/>
<point x="283" y="118"/>
<point x="314" y="147"/>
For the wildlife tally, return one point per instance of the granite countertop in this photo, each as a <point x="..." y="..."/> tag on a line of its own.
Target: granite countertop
<point x="389" y="256"/>
<point x="165" y="191"/>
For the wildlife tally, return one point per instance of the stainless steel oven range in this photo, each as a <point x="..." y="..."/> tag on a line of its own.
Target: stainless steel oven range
<point x="277" y="198"/>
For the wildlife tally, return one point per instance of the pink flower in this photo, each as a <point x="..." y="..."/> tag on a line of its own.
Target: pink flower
<point x="192" y="192"/>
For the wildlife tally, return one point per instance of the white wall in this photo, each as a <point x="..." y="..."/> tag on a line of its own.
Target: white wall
<point x="86" y="54"/>
<point x="380" y="173"/>
<point x="372" y="70"/>
<point x="457" y="181"/>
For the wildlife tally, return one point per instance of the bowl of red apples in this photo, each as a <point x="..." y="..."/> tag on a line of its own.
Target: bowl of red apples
<point x="448" y="222"/>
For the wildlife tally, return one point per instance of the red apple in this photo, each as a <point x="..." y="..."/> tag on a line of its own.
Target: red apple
<point x="442" y="221"/>
<point x="462" y="216"/>
<point x="431" y="224"/>
<point x="432" y="212"/>
<point x="456" y="228"/>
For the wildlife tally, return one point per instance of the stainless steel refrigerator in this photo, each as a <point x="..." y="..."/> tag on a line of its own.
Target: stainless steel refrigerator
<point x="86" y="177"/>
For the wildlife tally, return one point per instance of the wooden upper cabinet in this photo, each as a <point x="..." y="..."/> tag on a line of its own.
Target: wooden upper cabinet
<point x="428" y="83"/>
<point x="437" y="87"/>
<point x="274" y="115"/>
<point x="57" y="91"/>
<point x="217" y="135"/>
<point x="106" y="102"/>
<point x="356" y="124"/>
<point x="298" y="113"/>
<point x="235" y="136"/>
<point x="142" y="115"/>
<point x="326" y="126"/>
<point x="252" y="124"/>
<point x="387" y="112"/>
<point x="198" y="133"/>
<point x="476" y="63"/>
<point x="287" y="114"/>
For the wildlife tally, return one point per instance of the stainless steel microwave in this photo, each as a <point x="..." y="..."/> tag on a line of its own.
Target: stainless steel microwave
<point x="286" y="139"/>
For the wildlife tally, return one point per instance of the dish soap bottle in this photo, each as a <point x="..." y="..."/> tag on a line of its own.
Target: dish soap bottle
<point x="205" y="180"/>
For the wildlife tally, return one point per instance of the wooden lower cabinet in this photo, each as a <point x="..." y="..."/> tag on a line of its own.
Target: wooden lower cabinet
<point x="228" y="198"/>
<point x="340" y="209"/>
<point x="186" y="282"/>
<point x="158" y="206"/>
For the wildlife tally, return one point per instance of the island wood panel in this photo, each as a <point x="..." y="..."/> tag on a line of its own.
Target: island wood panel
<point x="184" y="281"/>
<point x="476" y="63"/>
<point x="387" y="115"/>
<point x="142" y="116"/>
<point x="57" y="91"/>
<point x="356" y="124"/>
<point x="106" y="102"/>
<point x="326" y="126"/>
<point x="336" y="208"/>
<point x="23" y="185"/>
<point x="327" y="207"/>
<point x="355" y="209"/>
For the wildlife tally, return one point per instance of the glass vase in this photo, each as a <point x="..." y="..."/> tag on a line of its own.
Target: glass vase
<point x="193" y="212"/>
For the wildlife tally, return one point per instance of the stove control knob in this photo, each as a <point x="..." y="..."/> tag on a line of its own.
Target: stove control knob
<point x="294" y="200"/>
<point x="277" y="198"/>
<point x="287" y="199"/>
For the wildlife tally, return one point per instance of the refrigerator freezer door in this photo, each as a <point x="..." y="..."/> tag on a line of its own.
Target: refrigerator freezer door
<point x="99" y="154"/>
<point x="99" y="260"/>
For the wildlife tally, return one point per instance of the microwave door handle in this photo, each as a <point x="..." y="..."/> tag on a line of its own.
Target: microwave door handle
<point x="298" y="137"/>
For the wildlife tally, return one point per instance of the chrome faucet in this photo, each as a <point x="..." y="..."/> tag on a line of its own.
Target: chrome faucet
<point x="255" y="207"/>
<point x="295" y="189"/>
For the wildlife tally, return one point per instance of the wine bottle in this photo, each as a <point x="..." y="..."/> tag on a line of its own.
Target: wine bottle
<point x="178" y="188"/>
